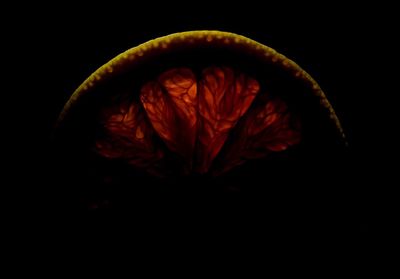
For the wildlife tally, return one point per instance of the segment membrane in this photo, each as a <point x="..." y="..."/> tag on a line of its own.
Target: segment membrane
<point x="224" y="96"/>
<point x="194" y="117"/>
<point x="171" y="106"/>
<point x="268" y="127"/>
<point x="129" y="136"/>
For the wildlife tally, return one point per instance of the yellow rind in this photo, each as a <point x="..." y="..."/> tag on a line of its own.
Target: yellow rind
<point x="204" y="37"/>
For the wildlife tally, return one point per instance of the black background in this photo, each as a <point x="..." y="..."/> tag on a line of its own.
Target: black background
<point x="338" y="45"/>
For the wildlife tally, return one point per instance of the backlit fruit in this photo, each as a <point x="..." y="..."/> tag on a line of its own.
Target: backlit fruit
<point x="201" y="103"/>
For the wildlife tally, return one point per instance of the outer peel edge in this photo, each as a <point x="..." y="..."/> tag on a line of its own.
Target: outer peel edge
<point x="148" y="48"/>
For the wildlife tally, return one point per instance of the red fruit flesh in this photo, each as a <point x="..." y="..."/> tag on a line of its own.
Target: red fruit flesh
<point x="194" y="117"/>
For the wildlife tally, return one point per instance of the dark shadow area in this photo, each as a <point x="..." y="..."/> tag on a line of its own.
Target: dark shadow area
<point x="303" y="195"/>
<point x="329" y="200"/>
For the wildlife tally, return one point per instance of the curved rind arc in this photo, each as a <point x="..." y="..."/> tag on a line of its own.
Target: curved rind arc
<point x="205" y="37"/>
